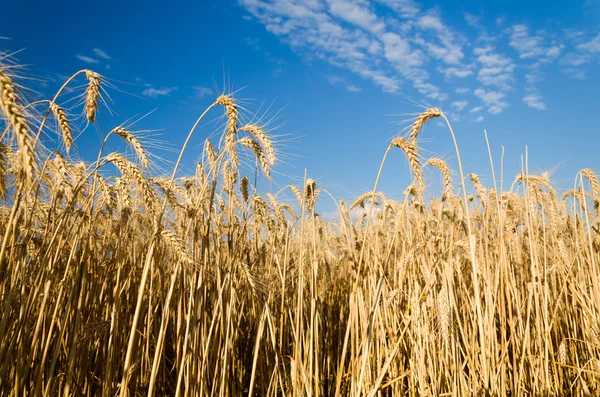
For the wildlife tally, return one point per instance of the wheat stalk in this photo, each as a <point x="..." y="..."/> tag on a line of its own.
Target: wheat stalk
<point x="4" y="150"/>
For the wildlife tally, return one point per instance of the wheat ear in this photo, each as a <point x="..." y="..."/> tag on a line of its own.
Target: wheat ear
<point x="92" y="95"/>
<point x="442" y="166"/>
<point x="264" y="141"/>
<point x="231" y="110"/>
<point x="591" y="177"/>
<point x="211" y="155"/>
<point x="176" y="245"/>
<point x="411" y="153"/>
<point x="133" y="173"/>
<point x="421" y="120"/>
<point x="479" y="189"/>
<point x="9" y="103"/>
<point x="360" y="201"/>
<point x="135" y="144"/>
<point x="258" y="152"/>
<point x="63" y="124"/>
<point x="244" y="189"/>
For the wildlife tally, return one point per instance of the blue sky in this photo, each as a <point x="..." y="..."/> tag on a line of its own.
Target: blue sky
<point x="337" y="78"/>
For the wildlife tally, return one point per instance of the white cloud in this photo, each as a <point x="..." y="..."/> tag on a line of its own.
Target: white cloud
<point x="459" y="105"/>
<point x="554" y="51"/>
<point x="493" y="100"/>
<point x="575" y="73"/>
<point x="452" y="72"/>
<point x="431" y="22"/>
<point x="333" y="80"/>
<point x="478" y="119"/>
<point x="156" y="92"/>
<point x="476" y="109"/>
<point x="341" y="82"/>
<point x="583" y="53"/>
<point x="448" y="51"/>
<point x="404" y="8"/>
<point x="310" y="30"/>
<point x="575" y="59"/>
<point x="534" y="100"/>
<point x="358" y="14"/>
<point x="252" y="42"/>
<point x="572" y="62"/>
<point x="527" y="45"/>
<point x="388" y="84"/>
<point x="397" y="45"/>
<point x="429" y="90"/>
<point x="101" y="54"/>
<point x="592" y="46"/>
<point x="202" y="91"/>
<point x="399" y="52"/>
<point x="495" y="69"/>
<point x="534" y="75"/>
<point x="472" y="20"/>
<point x="86" y="59"/>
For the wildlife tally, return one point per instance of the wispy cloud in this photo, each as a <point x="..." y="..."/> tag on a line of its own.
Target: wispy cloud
<point x="493" y="100"/>
<point x="401" y="46"/>
<point x="496" y="69"/>
<point x="252" y="42"/>
<point x="452" y="72"/>
<point x="350" y="35"/>
<point x="202" y="91"/>
<point x="86" y="59"/>
<point x="534" y="100"/>
<point x="528" y="46"/>
<point x="341" y="82"/>
<point x="459" y="105"/>
<point x="156" y="92"/>
<point x="472" y="20"/>
<point x="353" y="88"/>
<point x="101" y="54"/>
<point x="592" y="46"/>
<point x="584" y="51"/>
<point x="356" y="13"/>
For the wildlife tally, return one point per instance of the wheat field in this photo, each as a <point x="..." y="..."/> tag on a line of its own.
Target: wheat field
<point x="119" y="281"/>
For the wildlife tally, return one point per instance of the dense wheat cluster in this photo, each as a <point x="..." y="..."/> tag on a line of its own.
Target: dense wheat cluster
<point x="115" y="280"/>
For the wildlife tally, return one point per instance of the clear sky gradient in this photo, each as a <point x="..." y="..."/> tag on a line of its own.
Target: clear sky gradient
<point x="338" y="78"/>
